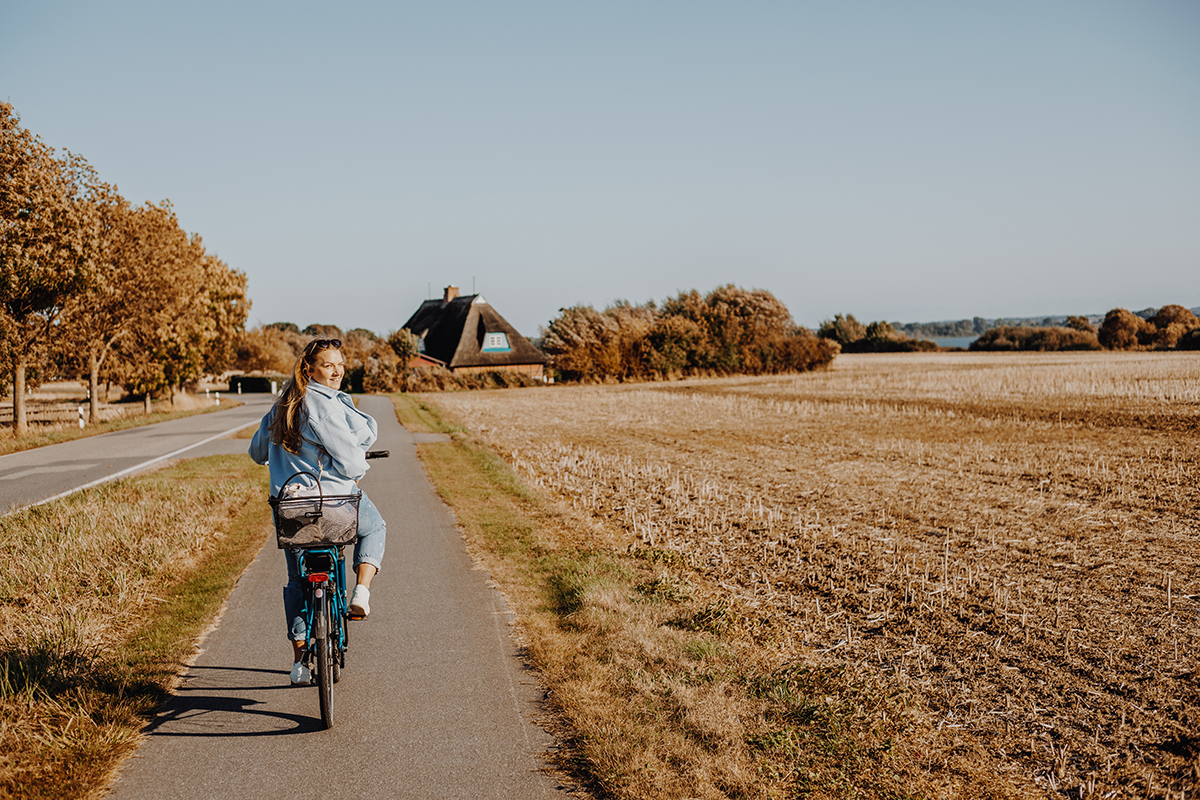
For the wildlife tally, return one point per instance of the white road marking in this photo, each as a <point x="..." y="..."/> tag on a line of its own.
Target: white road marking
<point x="138" y="467"/>
<point x="40" y="470"/>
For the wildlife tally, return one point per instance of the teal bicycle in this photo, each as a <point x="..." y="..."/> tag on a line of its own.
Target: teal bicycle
<point x="315" y="528"/>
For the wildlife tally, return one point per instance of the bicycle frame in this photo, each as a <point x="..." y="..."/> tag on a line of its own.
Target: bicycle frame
<point x="323" y="572"/>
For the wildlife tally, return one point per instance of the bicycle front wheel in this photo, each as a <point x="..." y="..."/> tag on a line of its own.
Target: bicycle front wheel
<point x="324" y="659"/>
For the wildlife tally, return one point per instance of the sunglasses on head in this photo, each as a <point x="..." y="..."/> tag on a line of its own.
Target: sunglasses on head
<point x="317" y="345"/>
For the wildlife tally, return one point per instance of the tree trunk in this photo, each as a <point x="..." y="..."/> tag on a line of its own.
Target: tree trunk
<point x="20" y="428"/>
<point x="93" y="387"/>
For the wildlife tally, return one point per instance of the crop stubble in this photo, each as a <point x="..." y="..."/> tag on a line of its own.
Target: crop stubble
<point x="1010" y="537"/>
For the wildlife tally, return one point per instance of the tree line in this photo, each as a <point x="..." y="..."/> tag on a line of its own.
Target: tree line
<point x="90" y="283"/>
<point x="1170" y="327"/>
<point x="373" y="363"/>
<point x="729" y="331"/>
<point x="273" y="349"/>
<point x="875" y="337"/>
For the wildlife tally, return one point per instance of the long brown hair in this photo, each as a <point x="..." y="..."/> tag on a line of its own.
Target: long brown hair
<point x="290" y="411"/>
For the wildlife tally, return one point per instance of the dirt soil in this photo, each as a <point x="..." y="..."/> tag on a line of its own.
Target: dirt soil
<point x="1012" y="538"/>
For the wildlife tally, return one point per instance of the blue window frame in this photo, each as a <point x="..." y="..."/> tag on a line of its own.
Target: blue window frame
<point x="495" y="343"/>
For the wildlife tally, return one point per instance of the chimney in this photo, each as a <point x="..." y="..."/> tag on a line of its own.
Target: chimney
<point x="451" y="293"/>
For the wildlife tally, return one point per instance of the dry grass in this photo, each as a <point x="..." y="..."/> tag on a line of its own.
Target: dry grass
<point x="78" y="579"/>
<point x="1007" y="540"/>
<point x="653" y="708"/>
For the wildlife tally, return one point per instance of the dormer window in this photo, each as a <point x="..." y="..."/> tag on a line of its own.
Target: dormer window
<point x="495" y="343"/>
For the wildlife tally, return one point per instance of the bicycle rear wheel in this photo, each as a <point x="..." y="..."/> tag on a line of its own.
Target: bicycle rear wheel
<point x="324" y="659"/>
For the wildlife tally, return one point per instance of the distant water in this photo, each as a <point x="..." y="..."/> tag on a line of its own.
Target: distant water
<point x="954" y="341"/>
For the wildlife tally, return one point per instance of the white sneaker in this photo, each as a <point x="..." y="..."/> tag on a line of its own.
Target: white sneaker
<point x="300" y="673"/>
<point x="360" y="603"/>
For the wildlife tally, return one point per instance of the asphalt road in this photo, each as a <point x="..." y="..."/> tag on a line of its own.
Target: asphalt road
<point x="434" y="702"/>
<point x="33" y="476"/>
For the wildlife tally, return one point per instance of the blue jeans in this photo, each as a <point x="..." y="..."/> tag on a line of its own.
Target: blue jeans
<point x="372" y="538"/>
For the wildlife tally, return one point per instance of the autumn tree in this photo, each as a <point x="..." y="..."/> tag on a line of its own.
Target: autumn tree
<point x="227" y="307"/>
<point x="47" y="245"/>
<point x="1080" y="324"/>
<point x="843" y="329"/>
<point x="1171" y="323"/>
<point x="744" y="326"/>
<point x="122" y="290"/>
<point x="1016" y="337"/>
<point x="286" y="327"/>
<point x="672" y="343"/>
<point x="195" y="318"/>
<point x="361" y="346"/>
<point x="405" y="345"/>
<point x="266" y="349"/>
<point x="633" y="325"/>
<point x="323" y="332"/>
<point x="583" y="344"/>
<point x="728" y="331"/>
<point x="364" y="351"/>
<point x="1120" y="329"/>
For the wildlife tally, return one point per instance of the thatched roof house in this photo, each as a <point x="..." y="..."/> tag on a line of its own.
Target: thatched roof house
<point x="468" y="335"/>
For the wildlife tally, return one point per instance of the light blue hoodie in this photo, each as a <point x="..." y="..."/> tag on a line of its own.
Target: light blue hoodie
<point x="336" y="438"/>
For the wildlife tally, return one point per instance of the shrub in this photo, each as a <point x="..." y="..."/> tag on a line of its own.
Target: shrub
<point x="399" y="378"/>
<point x="1189" y="341"/>
<point x="404" y="344"/>
<point x="266" y="349"/>
<point x="671" y="345"/>
<point x="1080" y="324"/>
<point x="1120" y="329"/>
<point x="878" y="337"/>
<point x="316" y="331"/>
<point x="842" y="329"/>
<point x="583" y="344"/>
<point x="804" y="351"/>
<point x="1008" y="337"/>
<point x="1171" y="323"/>
<point x="729" y="331"/>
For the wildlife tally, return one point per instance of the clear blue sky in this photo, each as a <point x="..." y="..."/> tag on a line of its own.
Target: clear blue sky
<point x="909" y="161"/>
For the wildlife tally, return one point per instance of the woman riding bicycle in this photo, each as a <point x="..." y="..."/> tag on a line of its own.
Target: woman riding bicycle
<point x="315" y="428"/>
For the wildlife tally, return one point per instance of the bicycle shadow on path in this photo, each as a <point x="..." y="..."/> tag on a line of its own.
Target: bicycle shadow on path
<point x="189" y="713"/>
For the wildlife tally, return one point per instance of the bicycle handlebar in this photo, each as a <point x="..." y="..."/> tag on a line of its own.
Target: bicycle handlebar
<point x="378" y="453"/>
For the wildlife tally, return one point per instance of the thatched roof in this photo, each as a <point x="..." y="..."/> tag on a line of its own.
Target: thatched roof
<point x="456" y="331"/>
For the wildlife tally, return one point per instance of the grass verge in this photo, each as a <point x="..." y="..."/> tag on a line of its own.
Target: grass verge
<point x="662" y="685"/>
<point x="103" y="595"/>
<point x="12" y="444"/>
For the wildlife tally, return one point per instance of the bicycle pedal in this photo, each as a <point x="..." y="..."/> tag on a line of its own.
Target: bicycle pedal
<point x="355" y="616"/>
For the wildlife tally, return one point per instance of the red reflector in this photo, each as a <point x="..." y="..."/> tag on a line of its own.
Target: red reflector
<point x="318" y="577"/>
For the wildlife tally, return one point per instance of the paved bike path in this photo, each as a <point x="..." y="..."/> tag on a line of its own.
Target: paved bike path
<point x="434" y="701"/>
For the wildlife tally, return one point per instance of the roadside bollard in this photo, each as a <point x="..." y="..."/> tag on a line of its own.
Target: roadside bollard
<point x="218" y="399"/>
<point x="81" y="418"/>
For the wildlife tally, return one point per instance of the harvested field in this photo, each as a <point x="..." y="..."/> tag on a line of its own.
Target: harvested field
<point x="1010" y="537"/>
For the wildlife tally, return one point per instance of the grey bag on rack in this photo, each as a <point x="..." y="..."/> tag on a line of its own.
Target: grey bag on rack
<point x="314" y="520"/>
